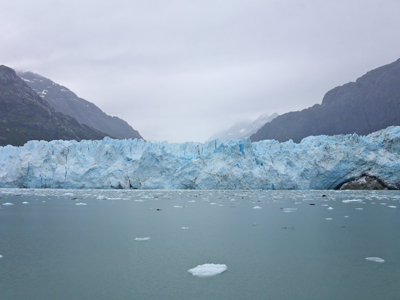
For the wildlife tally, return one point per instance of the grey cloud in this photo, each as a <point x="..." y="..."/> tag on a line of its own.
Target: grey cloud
<point x="182" y="70"/>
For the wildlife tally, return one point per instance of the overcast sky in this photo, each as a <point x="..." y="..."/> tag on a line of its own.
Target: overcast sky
<point x="183" y="70"/>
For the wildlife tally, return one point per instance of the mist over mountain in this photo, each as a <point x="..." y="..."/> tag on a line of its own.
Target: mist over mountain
<point x="367" y="105"/>
<point x="243" y="129"/>
<point x="25" y="116"/>
<point x="85" y="112"/>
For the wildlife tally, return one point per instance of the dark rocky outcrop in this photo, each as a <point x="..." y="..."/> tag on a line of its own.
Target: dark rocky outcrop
<point x="364" y="183"/>
<point x="85" y="112"/>
<point x="370" y="104"/>
<point x="25" y="116"/>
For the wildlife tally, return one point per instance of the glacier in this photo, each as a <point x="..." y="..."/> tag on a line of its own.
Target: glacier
<point x="318" y="163"/>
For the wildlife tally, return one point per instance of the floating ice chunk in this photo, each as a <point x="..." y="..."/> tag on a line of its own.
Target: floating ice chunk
<point x="192" y="201"/>
<point x="208" y="270"/>
<point x="178" y="206"/>
<point x="25" y="202"/>
<point x="185" y="228"/>
<point x="101" y="197"/>
<point x="69" y="194"/>
<point x="142" y="239"/>
<point x="257" y="207"/>
<point x="359" y="208"/>
<point x="353" y="200"/>
<point x="289" y="210"/>
<point x="213" y="203"/>
<point x="346" y="216"/>
<point x="324" y="204"/>
<point x="375" y="259"/>
<point x="328" y="219"/>
<point x="139" y="200"/>
<point x="80" y="203"/>
<point x="8" y="203"/>
<point x="392" y="206"/>
<point x="1" y="256"/>
<point x="330" y="208"/>
<point x="382" y="203"/>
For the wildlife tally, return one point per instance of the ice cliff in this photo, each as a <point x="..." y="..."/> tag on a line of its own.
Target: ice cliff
<point x="321" y="162"/>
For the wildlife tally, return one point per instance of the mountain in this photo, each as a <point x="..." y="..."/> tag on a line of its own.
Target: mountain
<point x="25" y="116"/>
<point x="367" y="105"/>
<point x="85" y="112"/>
<point x="242" y="130"/>
<point x="317" y="163"/>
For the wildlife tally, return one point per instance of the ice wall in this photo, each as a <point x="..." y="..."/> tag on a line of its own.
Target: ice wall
<point x="322" y="162"/>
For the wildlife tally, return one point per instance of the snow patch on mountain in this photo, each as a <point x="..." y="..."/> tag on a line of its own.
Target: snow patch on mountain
<point x="242" y="130"/>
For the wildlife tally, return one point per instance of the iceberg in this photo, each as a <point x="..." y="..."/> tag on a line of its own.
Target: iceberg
<point x="317" y="163"/>
<point x="208" y="270"/>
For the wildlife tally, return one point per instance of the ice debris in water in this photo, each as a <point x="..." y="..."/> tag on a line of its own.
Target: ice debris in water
<point x="375" y="259"/>
<point x="1" y="256"/>
<point x="352" y="200"/>
<point x="185" y="228"/>
<point x="8" y="203"/>
<point x="80" y="203"/>
<point x="359" y="208"/>
<point x="142" y="239"/>
<point x="328" y="219"/>
<point x="257" y="207"/>
<point x="208" y="270"/>
<point x="330" y="208"/>
<point x="392" y="206"/>
<point x="69" y="194"/>
<point x="288" y="209"/>
<point x="25" y="202"/>
<point x="101" y="197"/>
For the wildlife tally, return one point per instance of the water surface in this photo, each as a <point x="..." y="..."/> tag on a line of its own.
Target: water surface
<point x="53" y="248"/>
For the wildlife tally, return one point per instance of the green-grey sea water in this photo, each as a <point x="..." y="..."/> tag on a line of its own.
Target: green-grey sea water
<point x="80" y="244"/>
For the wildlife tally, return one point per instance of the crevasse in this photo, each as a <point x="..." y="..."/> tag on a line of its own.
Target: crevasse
<point x="320" y="162"/>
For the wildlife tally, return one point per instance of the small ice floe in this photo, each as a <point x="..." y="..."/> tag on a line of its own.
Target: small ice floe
<point x="207" y="270"/>
<point x="185" y="228"/>
<point x="392" y="206"/>
<point x="330" y="208"/>
<point x="139" y="200"/>
<point x="352" y="200"/>
<point x="69" y="194"/>
<point x="324" y="204"/>
<point x="257" y="207"/>
<point x="346" y="216"/>
<point x="101" y="197"/>
<point x="289" y="210"/>
<point x="213" y="203"/>
<point x="8" y="203"/>
<point x="359" y="208"/>
<point x="375" y="259"/>
<point x="1" y="256"/>
<point x="178" y="206"/>
<point x="25" y="202"/>
<point x="382" y="203"/>
<point x="80" y="203"/>
<point x="328" y="219"/>
<point x="191" y="201"/>
<point x="143" y="239"/>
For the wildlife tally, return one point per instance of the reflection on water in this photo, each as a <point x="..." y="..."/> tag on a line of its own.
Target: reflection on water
<point x="122" y="244"/>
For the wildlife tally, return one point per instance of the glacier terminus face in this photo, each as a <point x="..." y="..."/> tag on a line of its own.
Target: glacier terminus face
<point x="320" y="162"/>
